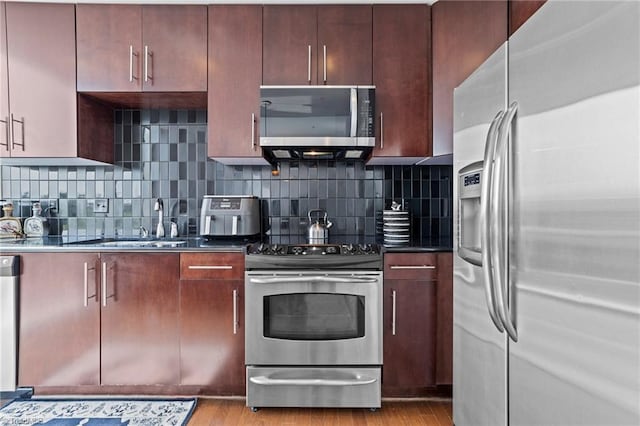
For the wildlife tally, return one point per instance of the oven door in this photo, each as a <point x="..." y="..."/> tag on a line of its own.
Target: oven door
<point x="313" y="318"/>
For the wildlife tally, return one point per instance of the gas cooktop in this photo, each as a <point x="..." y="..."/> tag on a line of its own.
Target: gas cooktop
<point x="313" y="249"/>
<point x="313" y="256"/>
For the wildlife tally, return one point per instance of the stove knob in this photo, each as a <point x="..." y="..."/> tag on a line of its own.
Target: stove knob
<point x="331" y="250"/>
<point x="296" y="250"/>
<point x="260" y="249"/>
<point x="364" y="248"/>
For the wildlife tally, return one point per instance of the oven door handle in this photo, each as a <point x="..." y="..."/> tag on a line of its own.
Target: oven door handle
<point x="266" y="381"/>
<point x="307" y="278"/>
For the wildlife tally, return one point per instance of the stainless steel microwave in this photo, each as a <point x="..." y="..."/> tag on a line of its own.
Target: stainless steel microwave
<point x="317" y="122"/>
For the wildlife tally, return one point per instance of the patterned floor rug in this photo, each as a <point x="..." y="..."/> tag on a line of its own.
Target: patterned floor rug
<point x="97" y="412"/>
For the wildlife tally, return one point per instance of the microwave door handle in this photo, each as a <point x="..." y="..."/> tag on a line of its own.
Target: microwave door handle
<point x="354" y="112"/>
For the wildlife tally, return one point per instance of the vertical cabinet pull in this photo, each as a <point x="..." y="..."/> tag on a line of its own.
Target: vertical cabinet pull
<point x="309" y="64"/>
<point x="381" y="131"/>
<point x="324" y="53"/>
<point x="131" y="55"/>
<point x="104" y="284"/>
<point x="86" y="284"/>
<point x="393" y="312"/>
<point x="7" y="132"/>
<point x="13" y="132"/>
<point x="147" y="77"/>
<point x="253" y="131"/>
<point x="235" y="311"/>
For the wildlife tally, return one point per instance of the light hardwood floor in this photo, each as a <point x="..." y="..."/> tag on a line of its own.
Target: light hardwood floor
<point x="229" y="412"/>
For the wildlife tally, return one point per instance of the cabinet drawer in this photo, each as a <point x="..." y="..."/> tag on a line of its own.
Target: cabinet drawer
<point x="204" y="266"/>
<point x="410" y="266"/>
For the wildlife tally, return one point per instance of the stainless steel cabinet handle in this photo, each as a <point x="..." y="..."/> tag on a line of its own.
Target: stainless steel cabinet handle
<point x="485" y="219"/>
<point x="104" y="284"/>
<point x="146" y="64"/>
<point x="324" y="52"/>
<point x="309" y="63"/>
<point x="311" y="278"/>
<point x="253" y="131"/>
<point x="393" y="313"/>
<point x="266" y="381"/>
<point x="7" y="132"/>
<point x="210" y="267"/>
<point x="131" y="55"/>
<point x="13" y="132"/>
<point x="86" y="284"/>
<point x="412" y="267"/>
<point x="499" y="222"/>
<point x="235" y="311"/>
<point x="381" y="131"/>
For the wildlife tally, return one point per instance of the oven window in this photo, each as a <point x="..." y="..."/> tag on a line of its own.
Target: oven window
<point x="314" y="316"/>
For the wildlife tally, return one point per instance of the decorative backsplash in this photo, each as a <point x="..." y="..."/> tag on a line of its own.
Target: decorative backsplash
<point x="163" y="153"/>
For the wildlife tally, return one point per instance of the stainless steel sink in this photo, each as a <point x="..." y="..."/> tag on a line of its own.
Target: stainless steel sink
<point x="141" y="242"/>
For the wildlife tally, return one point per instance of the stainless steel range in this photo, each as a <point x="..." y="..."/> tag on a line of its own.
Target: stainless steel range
<point x="313" y="320"/>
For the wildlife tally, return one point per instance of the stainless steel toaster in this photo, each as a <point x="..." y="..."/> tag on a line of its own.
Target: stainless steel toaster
<point x="229" y="215"/>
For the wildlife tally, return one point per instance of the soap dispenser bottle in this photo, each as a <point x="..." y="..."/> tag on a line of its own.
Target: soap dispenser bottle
<point x="36" y="225"/>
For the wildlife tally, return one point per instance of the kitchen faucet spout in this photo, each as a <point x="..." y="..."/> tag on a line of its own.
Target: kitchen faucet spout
<point x="159" y="207"/>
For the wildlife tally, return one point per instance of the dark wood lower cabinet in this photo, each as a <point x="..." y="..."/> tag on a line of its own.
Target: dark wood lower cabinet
<point x="139" y="330"/>
<point x="78" y="331"/>
<point x="211" y="345"/>
<point x="409" y="338"/>
<point x="59" y="332"/>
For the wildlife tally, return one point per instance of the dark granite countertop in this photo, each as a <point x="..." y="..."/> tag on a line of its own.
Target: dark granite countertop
<point x="74" y="244"/>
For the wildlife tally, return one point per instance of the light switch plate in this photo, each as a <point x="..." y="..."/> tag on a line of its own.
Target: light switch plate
<point x="101" y="205"/>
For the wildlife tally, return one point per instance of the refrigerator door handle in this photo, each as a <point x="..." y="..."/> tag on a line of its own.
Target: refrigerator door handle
<point x="485" y="216"/>
<point x="500" y="205"/>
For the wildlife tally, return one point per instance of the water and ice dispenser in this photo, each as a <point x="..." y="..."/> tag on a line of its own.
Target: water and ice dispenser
<point x="469" y="213"/>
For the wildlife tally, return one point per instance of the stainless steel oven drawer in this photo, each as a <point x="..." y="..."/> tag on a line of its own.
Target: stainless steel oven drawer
<point x="313" y="387"/>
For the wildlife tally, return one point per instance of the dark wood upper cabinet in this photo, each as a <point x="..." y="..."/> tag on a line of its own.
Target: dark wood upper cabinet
<point x="235" y="75"/>
<point x="297" y="39"/>
<point x="402" y="76"/>
<point x="465" y="33"/>
<point x="125" y="48"/>
<point x="520" y="11"/>
<point x="38" y="101"/>
<point x="344" y="45"/>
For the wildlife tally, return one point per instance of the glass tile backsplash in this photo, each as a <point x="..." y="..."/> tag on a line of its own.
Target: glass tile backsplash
<point x="163" y="153"/>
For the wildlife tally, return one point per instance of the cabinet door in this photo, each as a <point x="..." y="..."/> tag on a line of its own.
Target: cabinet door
<point x="174" y="51"/>
<point x="289" y="33"/>
<point x="212" y="335"/>
<point x="401" y="73"/>
<point x="235" y="74"/>
<point x="464" y="33"/>
<point x="520" y="11"/>
<point x="444" y="323"/>
<point x="409" y="337"/>
<point x="345" y="33"/>
<point x="5" y="119"/>
<point x="59" y="336"/>
<point x="41" y="66"/>
<point x="109" y="47"/>
<point x="140" y="320"/>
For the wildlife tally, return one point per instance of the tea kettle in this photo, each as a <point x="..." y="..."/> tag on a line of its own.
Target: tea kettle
<point x="318" y="232"/>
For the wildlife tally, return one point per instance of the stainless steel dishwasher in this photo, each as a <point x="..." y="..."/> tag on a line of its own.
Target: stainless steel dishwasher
<point x="9" y="273"/>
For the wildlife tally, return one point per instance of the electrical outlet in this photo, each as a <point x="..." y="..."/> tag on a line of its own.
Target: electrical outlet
<point x="101" y="205"/>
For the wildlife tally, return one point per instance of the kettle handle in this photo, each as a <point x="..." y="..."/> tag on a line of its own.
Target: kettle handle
<point x="318" y="210"/>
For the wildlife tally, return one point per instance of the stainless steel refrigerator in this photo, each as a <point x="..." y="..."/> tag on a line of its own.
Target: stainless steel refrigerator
<point x="547" y="234"/>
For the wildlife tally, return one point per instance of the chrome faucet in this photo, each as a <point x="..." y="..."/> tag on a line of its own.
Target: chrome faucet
<point x="159" y="207"/>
